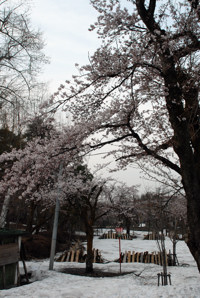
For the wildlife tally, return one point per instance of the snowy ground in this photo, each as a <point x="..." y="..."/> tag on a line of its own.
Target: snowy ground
<point x="142" y="283"/>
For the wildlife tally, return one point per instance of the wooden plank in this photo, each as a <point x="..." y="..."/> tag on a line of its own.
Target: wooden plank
<point x="141" y="257"/>
<point x="63" y="257"/>
<point x="136" y="256"/>
<point x="133" y="257"/>
<point x="9" y="254"/>
<point x="72" y="256"/>
<point x="148" y="257"/>
<point x="152" y="257"/>
<point x="156" y="259"/>
<point x="68" y="256"/>
<point x="124" y="258"/>
<point x="77" y="255"/>
<point x="94" y="254"/>
<point x="137" y="260"/>
<point x="145" y="256"/>
<point x="129" y="256"/>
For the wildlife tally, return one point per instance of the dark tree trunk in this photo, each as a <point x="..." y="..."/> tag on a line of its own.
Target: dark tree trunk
<point x="128" y="230"/>
<point x="30" y="218"/>
<point x="186" y="145"/>
<point x="174" y="239"/>
<point x="174" y="242"/>
<point x="90" y="256"/>
<point x="182" y="103"/>
<point x="193" y="215"/>
<point x="128" y="226"/>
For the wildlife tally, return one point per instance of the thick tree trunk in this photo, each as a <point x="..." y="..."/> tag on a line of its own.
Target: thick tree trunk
<point x="186" y="144"/>
<point x="193" y="215"/>
<point x="182" y="102"/>
<point x="90" y="256"/>
<point x="190" y="173"/>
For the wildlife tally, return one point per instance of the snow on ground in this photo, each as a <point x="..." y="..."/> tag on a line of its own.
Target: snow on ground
<point x="141" y="283"/>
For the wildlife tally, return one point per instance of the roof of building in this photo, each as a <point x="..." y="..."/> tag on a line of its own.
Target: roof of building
<point x="11" y="233"/>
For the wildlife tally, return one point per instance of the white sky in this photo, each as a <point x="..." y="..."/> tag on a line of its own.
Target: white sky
<point x="65" y="24"/>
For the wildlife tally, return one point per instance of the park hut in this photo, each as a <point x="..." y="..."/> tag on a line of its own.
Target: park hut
<point x="10" y="243"/>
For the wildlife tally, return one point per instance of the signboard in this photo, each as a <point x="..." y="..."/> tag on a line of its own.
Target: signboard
<point x="119" y="231"/>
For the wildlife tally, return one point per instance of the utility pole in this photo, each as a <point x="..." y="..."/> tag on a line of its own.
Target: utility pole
<point x="55" y="224"/>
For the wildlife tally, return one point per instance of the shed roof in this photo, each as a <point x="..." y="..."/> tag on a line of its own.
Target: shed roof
<point x="11" y="233"/>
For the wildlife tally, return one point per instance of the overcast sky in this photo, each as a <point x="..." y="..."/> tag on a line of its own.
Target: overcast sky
<point x="65" y="24"/>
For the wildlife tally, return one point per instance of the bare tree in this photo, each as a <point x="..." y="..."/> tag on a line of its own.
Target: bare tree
<point x="21" y="58"/>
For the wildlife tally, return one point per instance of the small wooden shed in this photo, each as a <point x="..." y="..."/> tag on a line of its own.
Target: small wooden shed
<point x="10" y="243"/>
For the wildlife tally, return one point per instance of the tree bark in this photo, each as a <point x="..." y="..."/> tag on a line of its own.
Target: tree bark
<point x="189" y="164"/>
<point x="188" y="157"/>
<point x="193" y="214"/>
<point x="90" y="256"/>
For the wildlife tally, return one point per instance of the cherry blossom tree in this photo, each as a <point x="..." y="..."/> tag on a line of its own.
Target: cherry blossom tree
<point x="32" y="176"/>
<point x="141" y="91"/>
<point x="165" y="212"/>
<point x="8" y="141"/>
<point x="125" y="205"/>
<point x="88" y="197"/>
<point x="31" y="173"/>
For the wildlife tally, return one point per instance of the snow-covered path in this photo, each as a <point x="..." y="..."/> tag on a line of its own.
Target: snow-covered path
<point x="141" y="283"/>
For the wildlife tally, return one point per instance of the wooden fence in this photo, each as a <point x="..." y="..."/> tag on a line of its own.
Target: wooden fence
<point x="146" y="257"/>
<point x="114" y="235"/>
<point x="127" y="257"/>
<point x="77" y="255"/>
<point x="153" y="236"/>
